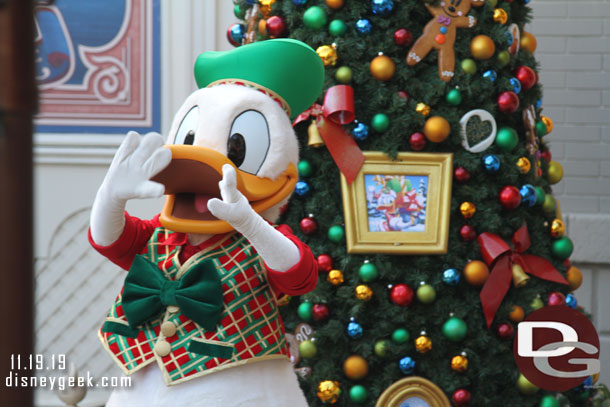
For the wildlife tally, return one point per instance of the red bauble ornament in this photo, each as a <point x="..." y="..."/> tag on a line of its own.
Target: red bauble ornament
<point x="526" y="76"/>
<point x="461" y="174"/>
<point x="403" y="37"/>
<point x="547" y="156"/>
<point x="325" y="262"/>
<point x="401" y="294"/>
<point x="505" y="331"/>
<point x="320" y="312"/>
<point x="460" y="398"/>
<point x="510" y="198"/>
<point x="417" y="141"/>
<point x="567" y="263"/>
<point x="467" y="233"/>
<point x="508" y="102"/>
<point x="403" y="95"/>
<point x="308" y="225"/>
<point x="556" y="298"/>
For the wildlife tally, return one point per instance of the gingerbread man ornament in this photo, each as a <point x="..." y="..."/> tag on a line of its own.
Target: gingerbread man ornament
<point x="440" y="33"/>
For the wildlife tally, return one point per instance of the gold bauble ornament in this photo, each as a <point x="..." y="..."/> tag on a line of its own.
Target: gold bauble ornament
<point x="548" y="123"/>
<point x="574" y="277"/>
<point x="437" y="129"/>
<point x="265" y="7"/>
<point x="355" y="367"/>
<point x="558" y="228"/>
<point x="516" y="314"/>
<point x="482" y="47"/>
<point x="382" y="68"/>
<point x="476" y="273"/>
<point x="524" y="165"/>
<point x="528" y="42"/>
<point x="423" y="344"/>
<point x="335" y="277"/>
<point x="363" y="292"/>
<point x="468" y="209"/>
<point x="459" y="363"/>
<point x="328" y="54"/>
<point x="555" y="172"/>
<point x="334" y="3"/>
<point x="329" y="391"/>
<point x="262" y="27"/>
<point x="500" y="16"/>
<point x="422" y="109"/>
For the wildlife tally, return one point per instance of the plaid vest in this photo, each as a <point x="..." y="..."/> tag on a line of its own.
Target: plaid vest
<point x="250" y="327"/>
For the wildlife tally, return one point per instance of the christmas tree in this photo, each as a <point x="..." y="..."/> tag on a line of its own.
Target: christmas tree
<point x="455" y="79"/>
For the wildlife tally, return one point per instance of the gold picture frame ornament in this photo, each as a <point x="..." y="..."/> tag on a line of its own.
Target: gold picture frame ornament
<point x="383" y="188"/>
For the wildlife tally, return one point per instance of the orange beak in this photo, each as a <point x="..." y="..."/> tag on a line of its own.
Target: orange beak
<point x="191" y="179"/>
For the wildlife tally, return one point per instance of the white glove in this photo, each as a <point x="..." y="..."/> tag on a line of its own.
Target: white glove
<point x="136" y="161"/>
<point x="278" y="252"/>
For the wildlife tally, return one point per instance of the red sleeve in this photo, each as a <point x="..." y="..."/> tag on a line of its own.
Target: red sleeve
<point x="302" y="277"/>
<point x="132" y="241"/>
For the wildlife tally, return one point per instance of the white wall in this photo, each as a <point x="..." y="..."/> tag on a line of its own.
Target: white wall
<point x="574" y="53"/>
<point x="574" y="50"/>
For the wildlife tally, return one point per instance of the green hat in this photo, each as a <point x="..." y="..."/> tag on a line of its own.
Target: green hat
<point x="288" y="70"/>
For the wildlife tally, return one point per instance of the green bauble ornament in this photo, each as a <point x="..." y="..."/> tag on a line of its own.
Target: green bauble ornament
<point x="503" y="58"/>
<point x="562" y="248"/>
<point x="549" y="204"/>
<point x="368" y="272"/>
<point x="525" y="386"/>
<point x="541" y="129"/>
<point x="536" y="303"/>
<point x="337" y="28"/>
<point x="307" y="349"/>
<point x="336" y="233"/>
<point x="380" y="122"/>
<point x="455" y="329"/>
<point x="426" y="293"/>
<point x="314" y="18"/>
<point x="305" y="311"/>
<point x="454" y="97"/>
<point x="239" y="12"/>
<point x="492" y="3"/>
<point x="382" y="348"/>
<point x="507" y="139"/>
<point x="358" y="394"/>
<point x="540" y="195"/>
<point x="400" y="335"/>
<point x="549" y="401"/>
<point x="344" y="74"/>
<point x="305" y="169"/>
<point x="469" y="66"/>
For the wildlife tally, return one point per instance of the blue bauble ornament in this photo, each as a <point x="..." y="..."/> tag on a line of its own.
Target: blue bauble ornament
<point x="491" y="163"/>
<point x="382" y="7"/>
<point x="451" y="277"/>
<point x="509" y="38"/>
<point x="361" y="131"/>
<point x="571" y="301"/>
<point x="354" y="330"/>
<point x="302" y="188"/>
<point x="538" y="103"/>
<point x="490" y="75"/>
<point x="363" y="26"/>
<point x="528" y="195"/>
<point x="514" y="82"/>
<point x="235" y="34"/>
<point x="407" y="365"/>
<point x="251" y="2"/>
<point x="526" y="1"/>
<point x="299" y="3"/>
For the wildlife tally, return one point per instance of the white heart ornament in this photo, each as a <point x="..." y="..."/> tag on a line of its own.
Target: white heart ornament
<point x="483" y="116"/>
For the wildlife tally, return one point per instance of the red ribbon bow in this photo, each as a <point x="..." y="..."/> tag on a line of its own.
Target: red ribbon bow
<point x="338" y="109"/>
<point x="499" y="256"/>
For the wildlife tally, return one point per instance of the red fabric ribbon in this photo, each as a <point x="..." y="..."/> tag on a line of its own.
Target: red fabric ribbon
<point x="338" y="109"/>
<point x="499" y="256"/>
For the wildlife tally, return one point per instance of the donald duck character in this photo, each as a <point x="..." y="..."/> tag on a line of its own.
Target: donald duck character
<point x="197" y="321"/>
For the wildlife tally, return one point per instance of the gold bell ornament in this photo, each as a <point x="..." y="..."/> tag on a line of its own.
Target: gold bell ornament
<point x="519" y="276"/>
<point x="314" y="139"/>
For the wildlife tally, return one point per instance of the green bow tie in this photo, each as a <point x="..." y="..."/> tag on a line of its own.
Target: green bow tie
<point x="147" y="292"/>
